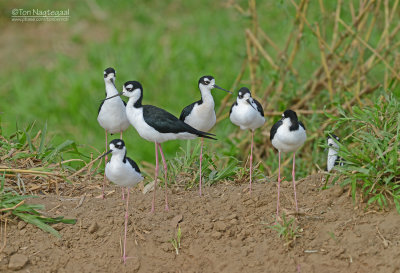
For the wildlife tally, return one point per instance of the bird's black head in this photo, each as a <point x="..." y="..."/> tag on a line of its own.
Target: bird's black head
<point x="330" y="140"/>
<point x="206" y="80"/>
<point x="109" y="71"/>
<point x="131" y="87"/>
<point x="117" y="144"/>
<point x="243" y="91"/>
<point x="290" y="114"/>
<point x="333" y="136"/>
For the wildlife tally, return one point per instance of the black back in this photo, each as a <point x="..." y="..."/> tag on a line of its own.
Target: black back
<point x="101" y="104"/>
<point x="234" y="104"/>
<point x="274" y="129"/>
<point x="188" y="109"/>
<point x="165" y="122"/>
<point x="132" y="163"/>
<point x="259" y="107"/>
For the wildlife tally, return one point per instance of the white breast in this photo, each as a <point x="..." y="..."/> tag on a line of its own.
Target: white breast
<point x="246" y="117"/>
<point x="286" y="140"/>
<point x="122" y="174"/>
<point x="112" y="116"/>
<point x="202" y="116"/>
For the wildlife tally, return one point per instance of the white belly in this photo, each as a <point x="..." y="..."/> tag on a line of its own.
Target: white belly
<point x="112" y="116"/>
<point x="246" y="117"/>
<point x="122" y="174"/>
<point x="135" y="117"/>
<point x="202" y="117"/>
<point x="289" y="141"/>
<point x="332" y="156"/>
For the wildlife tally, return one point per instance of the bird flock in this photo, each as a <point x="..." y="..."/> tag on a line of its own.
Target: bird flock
<point x="156" y="125"/>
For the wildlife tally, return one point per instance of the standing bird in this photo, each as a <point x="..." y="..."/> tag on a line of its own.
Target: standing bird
<point x="333" y="158"/>
<point x="287" y="135"/>
<point x="112" y="114"/>
<point x="247" y="113"/>
<point x="201" y="114"/>
<point x="124" y="172"/>
<point x="156" y="125"/>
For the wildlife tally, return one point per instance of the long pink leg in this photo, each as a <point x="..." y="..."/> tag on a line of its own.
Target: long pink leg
<point x="122" y="188"/>
<point x="294" y="182"/>
<point x="279" y="185"/>
<point x="155" y="179"/>
<point x="201" y="159"/>
<point x="105" y="163"/>
<point x="251" y="157"/>
<point x="165" y="177"/>
<point x="120" y="135"/>
<point x="126" y="225"/>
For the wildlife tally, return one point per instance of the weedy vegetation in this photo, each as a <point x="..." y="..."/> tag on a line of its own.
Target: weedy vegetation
<point x="176" y="243"/>
<point x="287" y="229"/>
<point x="371" y="152"/>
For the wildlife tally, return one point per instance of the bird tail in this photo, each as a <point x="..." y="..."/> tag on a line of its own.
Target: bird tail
<point x="205" y="135"/>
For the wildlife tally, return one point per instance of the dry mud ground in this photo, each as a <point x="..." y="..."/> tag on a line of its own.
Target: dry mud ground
<point x="224" y="231"/>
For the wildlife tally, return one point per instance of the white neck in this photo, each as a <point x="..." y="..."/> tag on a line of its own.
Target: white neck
<point x="332" y="152"/>
<point x="206" y="95"/>
<point x="117" y="157"/>
<point x="111" y="90"/>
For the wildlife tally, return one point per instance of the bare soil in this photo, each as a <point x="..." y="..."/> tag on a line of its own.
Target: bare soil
<point x="226" y="230"/>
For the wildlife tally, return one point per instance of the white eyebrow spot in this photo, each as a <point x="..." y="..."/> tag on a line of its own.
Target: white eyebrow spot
<point x="240" y="93"/>
<point x="105" y="72"/>
<point x="283" y="115"/>
<point x="129" y="86"/>
<point x="119" y="143"/>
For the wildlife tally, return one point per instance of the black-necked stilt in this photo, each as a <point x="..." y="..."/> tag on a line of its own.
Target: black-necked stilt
<point x="112" y="114"/>
<point x="333" y="158"/>
<point x="247" y="113"/>
<point x="156" y="125"/>
<point x="201" y="114"/>
<point x="287" y="135"/>
<point x="124" y="172"/>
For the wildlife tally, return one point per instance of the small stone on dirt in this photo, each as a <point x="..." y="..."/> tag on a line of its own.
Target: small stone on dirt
<point x="232" y="216"/>
<point x="176" y="220"/>
<point x="337" y="191"/>
<point x="148" y="187"/>
<point x="220" y="226"/>
<point x="17" y="261"/>
<point x="58" y="226"/>
<point x="93" y="227"/>
<point x="21" y="225"/>
<point x="216" y="235"/>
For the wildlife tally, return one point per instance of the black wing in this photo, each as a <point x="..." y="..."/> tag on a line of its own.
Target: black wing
<point x="165" y="122"/>
<point x="302" y="125"/>
<point x="230" y="111"/>
<point x="123" y="102"/>
<point x="101" y="104"/>
<point x="188" y="109"/>
<point x="133" y="164"/>
<point x="274" y="129"/>
<point x="259" y="107"/>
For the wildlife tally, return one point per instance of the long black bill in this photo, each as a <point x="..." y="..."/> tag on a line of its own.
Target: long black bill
<point x="109" y="151"/>
<point x="216" y="86"/>
<point x="117" y="95"/>
<point x="248" y="100"/>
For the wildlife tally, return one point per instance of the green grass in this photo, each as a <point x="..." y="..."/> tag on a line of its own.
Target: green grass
<point x="54" y="71"/>
<point x="11" y="201"/>
<point x="370" y="150"/>
<point x="287" y="229"/>
<point x="167" y="46"/>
